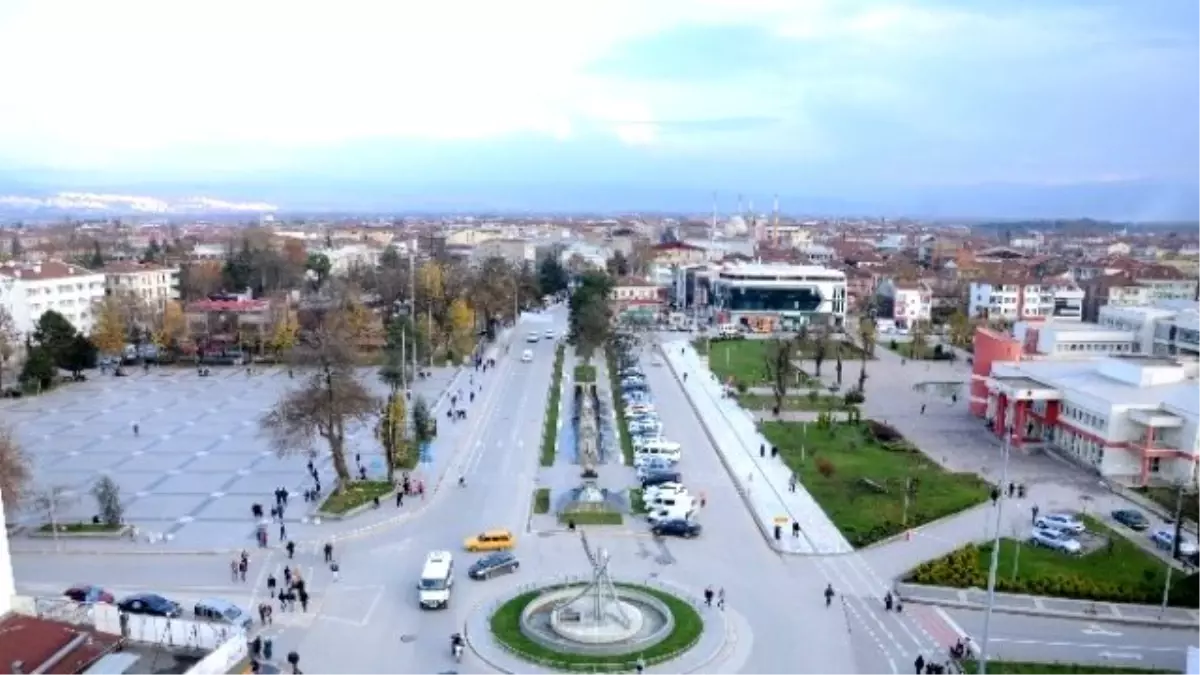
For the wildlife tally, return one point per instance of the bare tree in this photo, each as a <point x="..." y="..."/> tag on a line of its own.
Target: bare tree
<point x="52" y="501"/>
<point x="781" y="368"/>
<point x="820" y="349"/>
<point x="9" y="340"/>
<point x="330" y="400"/>
<point x="108" y="499"/>
<point x="15" y="469"/>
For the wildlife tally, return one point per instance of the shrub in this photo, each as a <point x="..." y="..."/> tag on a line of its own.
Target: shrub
<point x="884" y="433"/>
<point x="741" y="387"/>
<point x="108" y="499"/>
<point x="854" y="397"/>
<point x="825" y="467"/>
<point x="938" y="351"/>
<point x="892" y="344"/>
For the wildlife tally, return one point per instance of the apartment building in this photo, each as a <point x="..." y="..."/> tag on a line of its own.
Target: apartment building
<point x="1137" y="287"/>
<point x="1170" y="328"/>
<point x="1020" y="300"/>
<point x="28" y="290"/>
<point x="153" y="284"/>
<point x="1131" y="419"/>
<point x="904" y="304"/>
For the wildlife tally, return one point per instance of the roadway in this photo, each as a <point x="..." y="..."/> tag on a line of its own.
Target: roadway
<point x="368" y="621"/>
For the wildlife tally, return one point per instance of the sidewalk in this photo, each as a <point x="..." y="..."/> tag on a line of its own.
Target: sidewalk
<point x="762" y="482"/>
<point x="1011" y="603"/>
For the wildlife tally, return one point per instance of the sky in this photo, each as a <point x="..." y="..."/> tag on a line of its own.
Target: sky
<point x="808" y="95"/>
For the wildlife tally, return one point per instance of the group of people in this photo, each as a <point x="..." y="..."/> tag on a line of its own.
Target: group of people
<point x="719" y="595"/>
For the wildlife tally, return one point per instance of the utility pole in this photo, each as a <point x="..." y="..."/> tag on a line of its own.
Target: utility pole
<point x="991" y="597"/>
<point x="1174" y="546"/>
<point x="412" y="298"/>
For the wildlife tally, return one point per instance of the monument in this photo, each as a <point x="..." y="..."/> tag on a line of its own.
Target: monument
<point x="596" y="614"/>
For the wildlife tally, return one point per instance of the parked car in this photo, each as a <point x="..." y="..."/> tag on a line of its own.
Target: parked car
<point x="527" y="356"/>
<point x="533" y="337"/>
<point x="1066" y="522"/>
<point x="1164" y="538"/>
<point x="222" y="611"/>
<point x="501" y="562"/>
<point x="151" y="604"/>
<point x="1057" y="540"/>
<point x="662" y="490"/>
<point x="89" y="594"/>
<point x="660" y="477"/>
<point x="676" y="528"/>
<point x="1131" y="518"/>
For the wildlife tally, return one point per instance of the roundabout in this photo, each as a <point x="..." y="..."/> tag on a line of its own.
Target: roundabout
<point x="596" y="624"/>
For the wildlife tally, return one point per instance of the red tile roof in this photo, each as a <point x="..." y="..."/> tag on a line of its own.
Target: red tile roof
<point x="50" y="269"/>
<point x="34" y="642"/>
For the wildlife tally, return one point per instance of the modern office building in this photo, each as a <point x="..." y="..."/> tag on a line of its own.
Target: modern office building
<point x="767" y="297"/>
<point x="1169" y="328"/>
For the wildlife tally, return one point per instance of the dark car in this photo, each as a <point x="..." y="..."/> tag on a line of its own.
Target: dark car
<point x="676" y="528"/>
<point x="1132" y="519"/>
<point x="659" y="477"/>
<point x="150" y="603"/>
<point x="89" y="593"/>
<point x="501" y="562"/>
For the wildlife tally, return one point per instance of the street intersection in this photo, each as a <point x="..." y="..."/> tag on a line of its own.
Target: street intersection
<point x="367" y="620"/>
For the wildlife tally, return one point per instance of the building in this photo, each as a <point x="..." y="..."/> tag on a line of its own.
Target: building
<point x="222" y="321"/>
<point x="1171" y="328"/>
<point x="515" y="252"/>
<point x="677" y="253"/>
<point x="766" y="297"/>
<point x="153" y="284"/>
<point x="1131" y="419"/>
<point x="28" y="290"/>
<point x="637" y="299"/>
<point x="1074" y="339"/>
<point x="343" y="259"/>
<point x="902" y="303"/>
<point x="1019" y="300"/>
<point x="1135" y="287"/>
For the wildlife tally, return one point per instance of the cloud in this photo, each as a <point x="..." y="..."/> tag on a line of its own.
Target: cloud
<point x="886" y="91"/>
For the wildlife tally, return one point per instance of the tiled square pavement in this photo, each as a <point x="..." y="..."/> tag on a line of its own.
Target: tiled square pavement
<point x="198" y="461"/>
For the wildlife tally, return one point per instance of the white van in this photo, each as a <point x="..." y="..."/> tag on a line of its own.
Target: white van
<point x="666" y="500"/>
<point x="437" y="578"/>
<point x="680" y="511"/>
<point x="729" y="330"/>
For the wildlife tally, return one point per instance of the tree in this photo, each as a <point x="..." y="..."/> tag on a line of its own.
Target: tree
<point x="918" y="333"/>
<point x="52" y="501"/>
<point x="961" y="329"/>
<point x="494" y="290"/>
<point x="55" y="333"/>
<point x="96" y="260"/>
<point x="837" y="354"/>
<point x="781" y="368"/>
<point x="9" y="340"/>
<point x="16" y="250"/>
<point x="199" y="280"/>
<point x="79" y="356"/>
<point x="16" y="469"/>
<point x="820" y="349"/>
<point x="590" y="314"/>
<point x="552" y="276"/>
<point x="172" y="326"/>
<point x="294" y="253"/>
<point x="423" y="424"/>
<point x="462" y="330"/>
<point x="866" y="334"/>
<point x="153" y="252"/>
<point x="38" y="371"/>
<point x="109" y="333"/>
<point x="618" y="265"/>
<point x="391" y="433"/>
<point x="318" y="264"/>
<point x="108" y="499"/>
<point x="330" y="400"/>
<point x="284" y="332"/>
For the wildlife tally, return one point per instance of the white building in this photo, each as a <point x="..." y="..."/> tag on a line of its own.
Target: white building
<point x="1132" y="418"/>
<point x="342" y="259"/>
<point x="1165" y="329"/>
<point x="1072" y="339"/>
<point x="903" y="304"/>
<point x="27" y="290"/>
<point x="1016" y="301"/>
<point x="768" y="297"/>
<point x="153" y="284"/>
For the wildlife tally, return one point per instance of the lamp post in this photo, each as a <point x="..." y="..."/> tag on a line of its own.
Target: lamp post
<point x="991" y="590"/>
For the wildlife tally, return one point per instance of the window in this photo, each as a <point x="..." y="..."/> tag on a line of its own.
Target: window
<point x="1155" y="464"/>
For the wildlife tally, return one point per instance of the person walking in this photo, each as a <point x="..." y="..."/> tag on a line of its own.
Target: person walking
<point x="721" y="598"/>
<point x="291" y="549"/>
<point x="243" y="566"/>
<point x="271" y="585"/>
<point x="399" y="498"/>
<point x="920" y="664"/>
<point x="1034" y="511"/>
<point x="303" y="596"/>
<point x="287" y="577"/>
<point x="335" y="569"/>
<point x="328" y="552"/>
<point x="708" y="596"/>
<point x="282" y="531"/>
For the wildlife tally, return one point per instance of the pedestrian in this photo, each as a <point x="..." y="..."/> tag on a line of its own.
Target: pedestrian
<point x="271" y="585"/>
<point x="284" y="492"/>
<point x="1034" y="511"/>
<point x="335" y="569"/>
<point x="262" y="615"/>
<point x="721" y="598"/>
<point x="708" y="596"/>
<point x="283" y="601"/>
<point x="328" y="552"/>
<point x="287" y="577"/>
<point x="795" y="530"/>
<point x="922" y="408"/>
<point x="270" y="613"/>
<point x="311" y="468"/>
<point x="243" y="565"/>
<point x="1012" y="488"/>
<point x="792" y="483"/>
<point x="303" y="600"/>
<point x="136" y="429"/>
<point x="888" y="601"/>
<point x="233" y="569"/>
<point x="920" y="664"/>
<point x="282" y="531"/>
<point x="762" y="450"/>
<point x="774" y="451"/>
<point x="995" y="495"/>
<point x="399" y="498"/>
<point x="291" y="549"/>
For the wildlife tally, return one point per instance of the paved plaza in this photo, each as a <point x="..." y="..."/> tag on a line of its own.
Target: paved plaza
<point x="198" y="460"/>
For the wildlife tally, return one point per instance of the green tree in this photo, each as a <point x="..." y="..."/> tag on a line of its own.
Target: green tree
<point x="55" y="333"/>
<point x="494" y="286"/>
<point x="423" y="425"/>
<point x="38" y="371"/>
<point x="318" y="264"/>
<point x="238" y="271"/>
<point x="9" y="340"/>
<point x="391" y="434"/>
<point x="552" y="276"/>
<point x="918" y="333"/>
<point x="108" y="500"/>
<point x="820" y="343"/>
<point x="79" y="356"/>
<point x="96" y="260"/>
<point x="590" y="314"/>
<point x="961" y="329"/>
<point x="153" y="252"/>
<point x="16" y="250"/>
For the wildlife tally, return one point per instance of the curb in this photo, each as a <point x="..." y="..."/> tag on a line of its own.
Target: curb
<point x="917" y="530"/>
<point x="1052" y="613"/>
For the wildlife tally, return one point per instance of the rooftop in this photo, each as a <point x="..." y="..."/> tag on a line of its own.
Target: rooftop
<point x="131" y="267"/>
<point x="41" y="271"/>
<point x="51" y="647"/>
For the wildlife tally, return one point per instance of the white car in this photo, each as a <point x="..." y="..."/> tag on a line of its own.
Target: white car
<point x="1065" y="522"/>
<point x="527" y="356"/>
<point x="655" y="360"/>
<point x="533" y="337"/>
<point x="663" y="490"/>
<point x="550" y="334"/>
<point x="1057" y="540"/>
<point x="1164" y="538"/>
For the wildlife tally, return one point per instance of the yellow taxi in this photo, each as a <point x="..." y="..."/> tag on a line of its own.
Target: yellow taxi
<point x="491" y="540"/>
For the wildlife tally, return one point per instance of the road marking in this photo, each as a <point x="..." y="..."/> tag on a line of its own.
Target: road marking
<point x="1097" y="629"/>
<point x="1084" y="645"/>
<point x="1121" y="655"/>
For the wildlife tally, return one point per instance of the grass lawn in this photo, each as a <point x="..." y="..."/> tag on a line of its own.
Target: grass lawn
<point x="619" y="406"/>
<point x="591" y="517"/>
<point x="807" y="403"/>
<point x="354" y="494"/>
<point x="909" y="351"/>
<point x="838" y="458"/>
<point x="1168" y="499"/>
<point x="585" y="373"/>
<point x="636" y="504"/>
<point x="1031" y="668"/>
<point x="541" y="500"/>
<point x="550" y="428"/>
<point x="81" y="528"/>
<point x="746" y="361"/>
<point x="506" y="628"/>
<point x="1126" y="574"/>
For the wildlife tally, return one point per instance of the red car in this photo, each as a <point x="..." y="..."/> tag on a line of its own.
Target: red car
<point x="89" y="593"/>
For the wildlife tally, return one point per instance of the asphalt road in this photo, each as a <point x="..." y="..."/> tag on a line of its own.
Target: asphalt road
<point x="1043" y="639"/>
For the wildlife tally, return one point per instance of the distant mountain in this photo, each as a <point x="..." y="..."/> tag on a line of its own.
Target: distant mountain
<point x="29" y="205"/>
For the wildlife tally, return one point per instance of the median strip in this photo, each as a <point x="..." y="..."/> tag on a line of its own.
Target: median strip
<point x="550" y="431"/>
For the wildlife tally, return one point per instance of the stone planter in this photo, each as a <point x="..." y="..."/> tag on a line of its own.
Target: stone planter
<point x="119" y="533"/>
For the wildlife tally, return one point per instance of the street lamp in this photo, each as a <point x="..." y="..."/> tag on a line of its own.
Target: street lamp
<point x="991" y="589"/>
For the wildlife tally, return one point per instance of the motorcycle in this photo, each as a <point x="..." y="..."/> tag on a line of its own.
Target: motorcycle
<point x="456" y="647"/>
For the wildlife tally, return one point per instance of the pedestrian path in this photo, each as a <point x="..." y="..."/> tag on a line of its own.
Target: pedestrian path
<point x="764" y="482"/>
<point x="1013" y="603"/>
